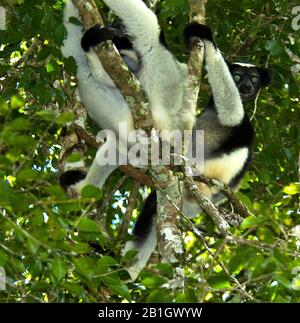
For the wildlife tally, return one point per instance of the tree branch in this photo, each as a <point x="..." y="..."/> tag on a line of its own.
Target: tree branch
<point x="207" y="205"/>
<point x="228" y="192"/>
<point x="197" y="13"/>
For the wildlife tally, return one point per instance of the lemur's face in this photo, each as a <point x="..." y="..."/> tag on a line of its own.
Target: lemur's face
<point x="249" y="79"/>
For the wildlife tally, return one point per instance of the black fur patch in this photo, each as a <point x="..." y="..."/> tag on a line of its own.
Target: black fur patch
<point x="95" y="36"/>
<point x="241" y="136"/>
<point x="265" y="76"/>
<point x="162" y="39"/>
<point x="122" y="42"/>
<point x="236" y="180"/>
<point x="71" y="177"/>
<point x="197" y="30"/>
<point x="143" y="224"/>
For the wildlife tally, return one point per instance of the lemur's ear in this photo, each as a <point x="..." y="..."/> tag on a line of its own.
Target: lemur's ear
<point x="265" y="76"/>
<point x="231" y="66"/>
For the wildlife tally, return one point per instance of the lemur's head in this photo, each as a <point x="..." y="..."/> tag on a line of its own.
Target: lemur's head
<point x="249" y="79"/>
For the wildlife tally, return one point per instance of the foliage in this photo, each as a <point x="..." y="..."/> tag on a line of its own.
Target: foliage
<point x="47" y="240"/>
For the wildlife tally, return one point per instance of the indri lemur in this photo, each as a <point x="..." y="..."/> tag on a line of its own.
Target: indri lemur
<point x="228" y="133"/>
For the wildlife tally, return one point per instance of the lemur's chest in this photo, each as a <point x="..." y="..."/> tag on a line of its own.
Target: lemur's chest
<point x="214" y="133"/>
<point x="226" y="166"/>
<point x="217" y="164"/>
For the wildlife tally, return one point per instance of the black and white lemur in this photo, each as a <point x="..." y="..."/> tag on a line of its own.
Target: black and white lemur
<point x="228" y="133"/>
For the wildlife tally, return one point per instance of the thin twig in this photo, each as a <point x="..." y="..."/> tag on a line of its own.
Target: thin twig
<point x="130" y="207"/>
<point x="110" y="195"/>
<point x="240" y="287"/>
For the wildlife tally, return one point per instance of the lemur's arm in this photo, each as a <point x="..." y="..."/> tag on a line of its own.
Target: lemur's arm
<point x="140" y="22"/>
<point x="226" y="96"/>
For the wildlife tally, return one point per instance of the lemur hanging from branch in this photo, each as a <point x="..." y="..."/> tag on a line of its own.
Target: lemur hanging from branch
<point x="228" y="133"/>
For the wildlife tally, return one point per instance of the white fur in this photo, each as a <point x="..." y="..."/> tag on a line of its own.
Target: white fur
<point x="227" y="99"/>
<point x="244" y="64"/>
<point x="71" y="46"/>
<point x="72" y="165"/>
<point x="103" y="101"/>
<point x="162" y="77"/>
<point x="140" y="22"/>
<point x="144" y="252"/>
<point x="225" y="167"/>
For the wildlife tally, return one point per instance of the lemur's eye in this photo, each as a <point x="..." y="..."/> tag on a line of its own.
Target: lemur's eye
<point x="254" y="79"/>
<point x="237" y="77"/>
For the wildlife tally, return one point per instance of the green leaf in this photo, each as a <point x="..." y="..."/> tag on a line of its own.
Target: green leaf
<point x="51" y="67"/>
<point x="65" y="117"/>
<point x="87" y="225"/>
<point x="3" y="107"/>
<point x="40" y="287"/>
<point x="26" y="174"/>
<point x="107" y="261"/>
<point x="245" y="199"/>
<point x="129" y="256"/>
<point x="3" y="258"/>
<point x="75" y="21"/>
<point x="159" y="296"/>
<point x="240" y="259"/>
<point x="85" y="266"/>
<point x="47" y="115"/>
<point x="252" y="221"/>
<point x="219" y="281"/>
<point x="188" y="296"/>
<point x="44" y="53"/>
<point x="292" y="189"/>
<point x="91" y="191"/>
<point x="103" y="265"/>
<point x="273" y="47"/>
<point x="153" y="281"/>
<point x="165" y="269"/>
<point x="266" y="235"/>
<point x="74" y="288"/>
<point x="284" y="281"/>
<point x="21" y="141"/>
<point x="59" y="33"/>
<point x="74" y="157"/>
<point x="42" y="92"/>
<point x="56" y="191"/>
<point x="19" y="124"/>
<point x="70" y="65"/>
<point x="79" y="247"/>
<point x="6" y="192"/>
<point x="117" y="287"/>
<point x="32" y="245"/>
<point x="59" y="268"/>
<point x="16" y="102"/>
